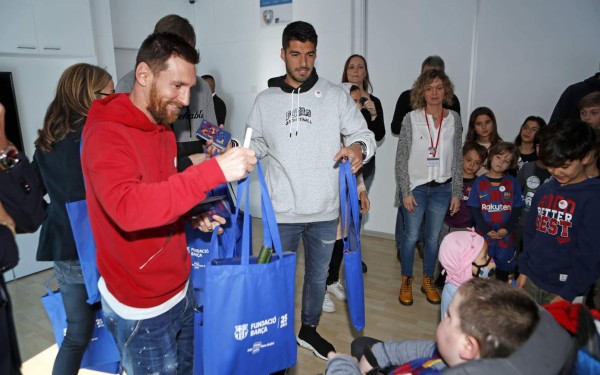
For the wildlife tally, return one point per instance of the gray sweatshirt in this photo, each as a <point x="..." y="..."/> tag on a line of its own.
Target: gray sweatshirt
<point x="300" y="131"/>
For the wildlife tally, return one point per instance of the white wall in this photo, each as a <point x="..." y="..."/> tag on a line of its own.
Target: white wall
<point x="513" y="56"/>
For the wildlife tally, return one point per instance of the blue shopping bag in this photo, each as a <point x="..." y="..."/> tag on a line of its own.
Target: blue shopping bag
<point x="102" y="353"/>
<point x="86" y="247"/>
<point x="249" y="308"/>
<point x="350" y="216"/>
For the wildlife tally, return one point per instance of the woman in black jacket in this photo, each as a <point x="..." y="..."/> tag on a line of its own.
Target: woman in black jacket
<point x="57" y="156"/>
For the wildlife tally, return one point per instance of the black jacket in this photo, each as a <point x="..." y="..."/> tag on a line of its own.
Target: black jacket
<point x="62" y="177"/>
<point x="567" y="106"/>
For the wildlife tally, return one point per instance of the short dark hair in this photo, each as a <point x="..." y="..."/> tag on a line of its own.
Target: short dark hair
<point x="353" y="88"/>
<point x="498" y="315"/>
<point x="541" y="123"/>
<point x="590" y="100"/>
<point x="208" y="76"/>
<point x="158" y="48"/>
<point x="479" y="149"/>
<point x="434" y="61"/>
<point x="301" y="31"/>
<point x="176" y="25"/>
<point x="569" y="140"/>
<point x="502" y="147"/>
<point x="417" y="96"/>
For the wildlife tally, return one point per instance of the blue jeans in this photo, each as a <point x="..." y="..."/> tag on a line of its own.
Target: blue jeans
<point x="160" y="345"/>
<point x="81" y="317"/>
<point x="318" y="239"/>
<point x="432" y="204"/>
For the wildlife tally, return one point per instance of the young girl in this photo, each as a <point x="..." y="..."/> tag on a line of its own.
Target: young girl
<point x="496" y="204"/>
<point x="474" y="155"/>
<point x="483" y="130"/>
<point x="525" y="141"/>
<point x="463" y="255"/>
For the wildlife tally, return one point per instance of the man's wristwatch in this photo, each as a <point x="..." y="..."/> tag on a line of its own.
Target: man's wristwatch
<point x="9" y="158"/>
<point x="363" y="148"/>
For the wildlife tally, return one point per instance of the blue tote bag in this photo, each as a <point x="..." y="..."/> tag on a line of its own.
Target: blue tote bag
<point x="102" y="353"/>
<point x="249" y="308"/>
<point x="86" y="247"/>
<point x="355" y="288"/>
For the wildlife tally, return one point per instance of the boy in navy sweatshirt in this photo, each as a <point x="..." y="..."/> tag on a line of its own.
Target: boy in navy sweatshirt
<point x="561" y="259"/>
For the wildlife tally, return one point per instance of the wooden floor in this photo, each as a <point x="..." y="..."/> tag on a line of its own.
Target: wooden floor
<point x="386" y="318"/>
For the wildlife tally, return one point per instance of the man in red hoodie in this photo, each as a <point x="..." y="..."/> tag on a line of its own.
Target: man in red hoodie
<point x="136" y="201"/>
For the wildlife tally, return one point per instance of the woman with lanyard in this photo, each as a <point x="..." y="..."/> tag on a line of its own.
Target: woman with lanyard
<point x="428" y="175"/>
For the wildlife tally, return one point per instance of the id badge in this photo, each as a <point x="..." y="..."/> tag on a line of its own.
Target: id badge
<point x="433" y="162"/>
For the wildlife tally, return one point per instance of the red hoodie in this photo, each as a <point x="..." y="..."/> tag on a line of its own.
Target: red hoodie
<point x="136" y="200"/>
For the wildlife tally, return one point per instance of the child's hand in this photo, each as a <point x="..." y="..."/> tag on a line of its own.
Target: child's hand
<point x="521" y="281"/>
<point x="501" y="233"/>
<point x="491" y="234"/>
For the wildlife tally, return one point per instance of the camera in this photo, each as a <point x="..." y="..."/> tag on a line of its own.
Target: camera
<point x="363" y="100"/>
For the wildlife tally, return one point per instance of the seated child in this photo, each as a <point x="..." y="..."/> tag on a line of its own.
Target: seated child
<point x="464" y="256"/>
<point x="486" y="319"/>
<point x="496" y="204"/>
<point x="560" y="258"/>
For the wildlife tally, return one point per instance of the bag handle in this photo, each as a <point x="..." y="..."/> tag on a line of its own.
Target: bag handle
<point x="349" y="203"/>
<point x="50" y="292"/>
<point x="270" y="229"/>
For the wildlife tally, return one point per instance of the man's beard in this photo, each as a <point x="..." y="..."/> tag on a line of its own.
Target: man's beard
<point x="159" y="109"/>
<point x="296" y="76"/>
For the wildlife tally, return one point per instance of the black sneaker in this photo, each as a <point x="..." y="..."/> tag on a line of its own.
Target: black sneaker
<point x="309" y="338"/>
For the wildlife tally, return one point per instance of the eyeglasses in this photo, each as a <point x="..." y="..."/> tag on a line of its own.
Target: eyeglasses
<point x="104" y="93"/>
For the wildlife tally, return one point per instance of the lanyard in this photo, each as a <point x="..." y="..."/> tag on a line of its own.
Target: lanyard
<point x="437" y="142"/>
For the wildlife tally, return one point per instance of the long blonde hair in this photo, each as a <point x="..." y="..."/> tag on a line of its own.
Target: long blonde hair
<point x="75" y="92"/>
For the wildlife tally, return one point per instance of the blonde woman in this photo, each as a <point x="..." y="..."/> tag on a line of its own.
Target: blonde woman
<point x="57" y="157"/>
<point x="428" y="175"/>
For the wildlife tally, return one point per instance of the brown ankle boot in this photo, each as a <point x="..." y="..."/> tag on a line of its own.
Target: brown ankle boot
<point x="428" y="287"/>
<point x="406" y="291"/>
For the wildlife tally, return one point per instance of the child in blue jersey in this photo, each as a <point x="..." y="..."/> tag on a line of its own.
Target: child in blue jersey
<point x="560" y="259"/>
<point x="496" y="203"/>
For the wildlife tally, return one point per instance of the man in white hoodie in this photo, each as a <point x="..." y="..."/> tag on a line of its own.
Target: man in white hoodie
<point x="298" y="122"/>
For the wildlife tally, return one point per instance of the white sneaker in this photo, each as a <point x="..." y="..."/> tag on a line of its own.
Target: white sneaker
<point x="328" y="305"/>
<point x="337" y="289"/>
